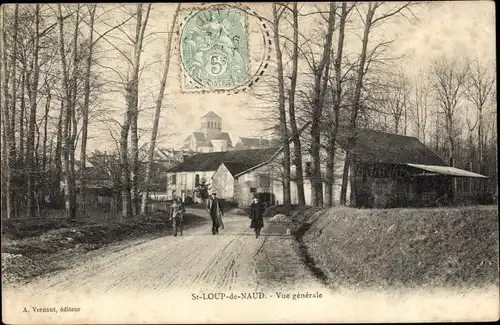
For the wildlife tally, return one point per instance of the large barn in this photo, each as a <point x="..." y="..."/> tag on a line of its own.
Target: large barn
<point x="396" y="170"/>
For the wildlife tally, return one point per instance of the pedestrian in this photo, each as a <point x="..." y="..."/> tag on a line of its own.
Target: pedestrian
<point x="216" y="213"/>
<point x="256" y="216"/>
<point x="177" y="215"/>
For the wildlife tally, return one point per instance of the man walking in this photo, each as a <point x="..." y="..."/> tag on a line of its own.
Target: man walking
<point x="216" y="213"/>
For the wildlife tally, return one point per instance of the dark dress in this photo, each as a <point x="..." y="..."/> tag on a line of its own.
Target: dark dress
<point x="215" y="210"/>
<point x="256" y="212"/>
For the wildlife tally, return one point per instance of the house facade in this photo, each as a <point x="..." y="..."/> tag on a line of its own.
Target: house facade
<point x="183" y="179"/>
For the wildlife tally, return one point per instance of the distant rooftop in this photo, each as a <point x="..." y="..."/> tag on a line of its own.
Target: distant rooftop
<point x="211" y="114"/>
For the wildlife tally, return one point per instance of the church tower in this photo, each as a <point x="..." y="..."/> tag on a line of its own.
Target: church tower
<point x="211" y="125"/>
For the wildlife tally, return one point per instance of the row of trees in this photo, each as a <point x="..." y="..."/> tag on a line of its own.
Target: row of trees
<point x="64" y="67"/>
<point x="354" y="82"/>
<point x="54" y="81"/>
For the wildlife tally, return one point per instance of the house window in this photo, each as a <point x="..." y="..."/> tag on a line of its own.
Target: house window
<point x="174" y="178"/>
<point x="253" y="190"/>
<point x="196" y="180"/>
<point x="308" y="169"/>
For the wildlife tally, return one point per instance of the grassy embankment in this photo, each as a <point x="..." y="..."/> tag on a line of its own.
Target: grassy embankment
<point x="410" y="248"/>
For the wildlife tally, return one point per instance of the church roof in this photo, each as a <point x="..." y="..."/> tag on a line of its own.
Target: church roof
<point x="211" y="114"/>
<point x="199" y="136"/>
<point x="224" y="136"/>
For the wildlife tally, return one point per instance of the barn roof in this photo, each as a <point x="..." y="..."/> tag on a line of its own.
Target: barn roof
<point x="211" y="161"/>
<point x="381" y="147"/>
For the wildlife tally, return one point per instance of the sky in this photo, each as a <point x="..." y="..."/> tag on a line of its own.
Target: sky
<point x="450" y="28"/>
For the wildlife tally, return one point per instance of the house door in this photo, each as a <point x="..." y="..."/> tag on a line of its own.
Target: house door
<point x="183" y="196"/>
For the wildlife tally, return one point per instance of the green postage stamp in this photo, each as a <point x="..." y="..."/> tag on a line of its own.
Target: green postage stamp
<point x="214" y="49"/>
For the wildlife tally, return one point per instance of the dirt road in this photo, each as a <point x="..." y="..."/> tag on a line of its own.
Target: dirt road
<point x="202" y="278"/>
<point x="197" y="260"/>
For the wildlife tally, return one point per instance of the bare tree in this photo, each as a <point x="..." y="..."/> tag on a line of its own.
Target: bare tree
<point x="93" y="39"/>
<point x="420" y="110"/>
<point x="370" y="21"/>
<point x="321" y="72"/>
<point x="479" y="91"/>
<point x="86" y="104"/>
<point x="277" y="12"/>
<point x="396" y="101"/>
<point x="66" y="110"/>
<point x="32" y="94"/>
<point x="158" y="105"/>
<point x="448" y="80"/>
<point x="336" y="96"/>
<point x="6" y="127"/>
<point x="297" y="146"/>
<point x="132" y="97"/>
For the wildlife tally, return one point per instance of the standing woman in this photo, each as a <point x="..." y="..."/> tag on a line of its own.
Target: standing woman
<point x="256" y="215"/>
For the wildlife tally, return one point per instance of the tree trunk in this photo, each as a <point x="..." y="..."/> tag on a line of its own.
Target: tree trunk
<point x="351" y="142"/>
<point x="6" y="132"/>
<point x="135" y="156"/>
<point x="73" y="123"/>
<point x="132" y="90"/>
<point x="66" y="140"/>
<point x="297" y="147"/>
<point x="282" y="111"/>
<point x="14" y="88"/>
<point x="85" y="111"/>
<point x="156" y="122"/>
<point x="320" y="73"/>
<point x="481" y="149"/>
<point x="32" y="93"/>
<point x="56" y="184"/>
<point x="44" y="147"/>
<point x="21" y="117"/>
<point x="337" y="101"/>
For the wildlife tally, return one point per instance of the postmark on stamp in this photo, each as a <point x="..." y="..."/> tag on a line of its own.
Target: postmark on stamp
<point x="214" y="49"/>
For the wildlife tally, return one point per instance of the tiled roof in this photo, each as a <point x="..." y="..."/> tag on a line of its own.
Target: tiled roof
<point x="238" y="167"/>
<point x="211" y="161"/>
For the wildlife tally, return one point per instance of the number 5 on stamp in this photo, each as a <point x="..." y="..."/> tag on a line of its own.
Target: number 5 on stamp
<point x="214" y="49"/>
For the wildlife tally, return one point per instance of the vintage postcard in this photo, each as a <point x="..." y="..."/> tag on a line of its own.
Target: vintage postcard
<point x="198" y="163"/>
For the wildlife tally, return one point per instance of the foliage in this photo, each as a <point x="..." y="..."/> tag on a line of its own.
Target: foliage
<point x="202" y="189"/>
